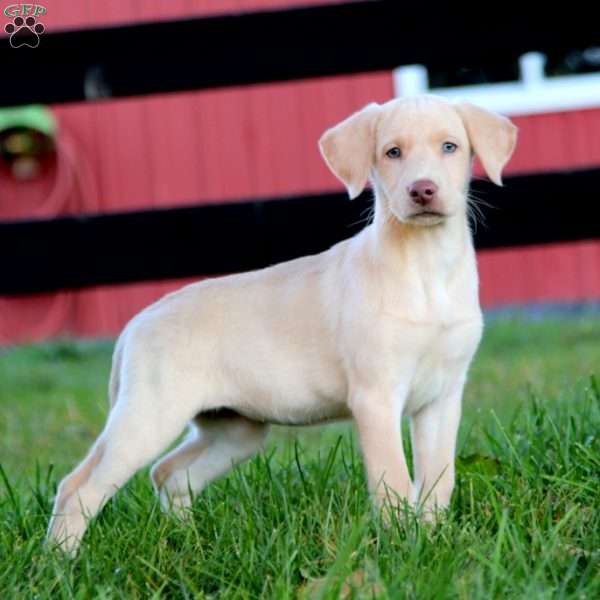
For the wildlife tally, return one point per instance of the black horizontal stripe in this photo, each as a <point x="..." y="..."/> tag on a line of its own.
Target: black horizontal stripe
<point x="89" y="250"/>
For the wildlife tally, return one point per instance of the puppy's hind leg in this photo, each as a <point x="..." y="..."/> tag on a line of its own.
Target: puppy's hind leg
<point x="217" y="441"/>
<point x="141" y="424"/>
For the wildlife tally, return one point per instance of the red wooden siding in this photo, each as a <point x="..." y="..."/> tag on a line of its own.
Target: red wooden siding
<point x="557" y="141"/>
<point x="212" y="146"/>
<point x="78" y="14"/>
<point x="550" y="273"/>
<point x="258" y="141"/>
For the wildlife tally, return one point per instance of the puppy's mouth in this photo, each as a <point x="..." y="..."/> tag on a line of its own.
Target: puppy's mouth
<point x="426" y="217"/>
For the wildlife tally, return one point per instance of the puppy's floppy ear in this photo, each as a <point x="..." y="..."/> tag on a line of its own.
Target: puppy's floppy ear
<point x="349" y="148"/>
<point x="492" y="136"/>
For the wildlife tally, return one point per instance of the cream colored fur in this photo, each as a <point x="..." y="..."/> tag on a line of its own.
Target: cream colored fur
<point x="381" y="325"/>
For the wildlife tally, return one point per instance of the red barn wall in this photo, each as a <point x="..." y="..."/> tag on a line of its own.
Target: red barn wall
<point x="258" y="141"/>
<point x="70" y="14"/>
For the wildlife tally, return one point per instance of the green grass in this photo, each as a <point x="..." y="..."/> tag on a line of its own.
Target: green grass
<point x="296" y="521"/>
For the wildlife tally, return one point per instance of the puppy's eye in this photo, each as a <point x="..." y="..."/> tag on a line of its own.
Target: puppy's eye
<point x="449" y="147"/>
<point x="394" y="152"/>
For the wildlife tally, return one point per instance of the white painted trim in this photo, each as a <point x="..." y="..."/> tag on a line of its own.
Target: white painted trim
<point x="533" y="94"/>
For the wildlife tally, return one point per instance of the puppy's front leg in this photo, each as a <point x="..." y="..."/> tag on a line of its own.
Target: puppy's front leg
<point x="434" y="429"/>
<point x="378" y="420"/>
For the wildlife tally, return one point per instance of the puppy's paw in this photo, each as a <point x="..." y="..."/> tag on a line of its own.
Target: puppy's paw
<point x="175" y="504"/>
<point x="393" y="508"/>
<point x="431" y="513"/>
<point x="65" y="534"/>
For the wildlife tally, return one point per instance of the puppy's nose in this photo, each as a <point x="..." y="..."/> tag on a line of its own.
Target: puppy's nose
<point x="423" y="191"/>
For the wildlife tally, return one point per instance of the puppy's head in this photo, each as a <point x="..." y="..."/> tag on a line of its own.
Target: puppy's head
<point x="418" y="154"/>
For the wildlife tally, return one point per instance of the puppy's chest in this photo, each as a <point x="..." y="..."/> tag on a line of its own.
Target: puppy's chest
<point x="440" y="356"/>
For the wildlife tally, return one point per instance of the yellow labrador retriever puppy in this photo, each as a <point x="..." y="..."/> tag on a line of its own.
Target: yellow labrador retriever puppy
<point x="380" y="325"/>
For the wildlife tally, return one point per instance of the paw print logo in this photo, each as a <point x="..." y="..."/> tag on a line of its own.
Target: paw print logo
<point x="24" y="32"/>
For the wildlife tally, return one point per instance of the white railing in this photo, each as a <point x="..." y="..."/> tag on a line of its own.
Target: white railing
<point x="533" y="93"/>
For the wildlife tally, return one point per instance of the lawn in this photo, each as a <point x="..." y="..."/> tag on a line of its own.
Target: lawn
<point x="296" y="522"/>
